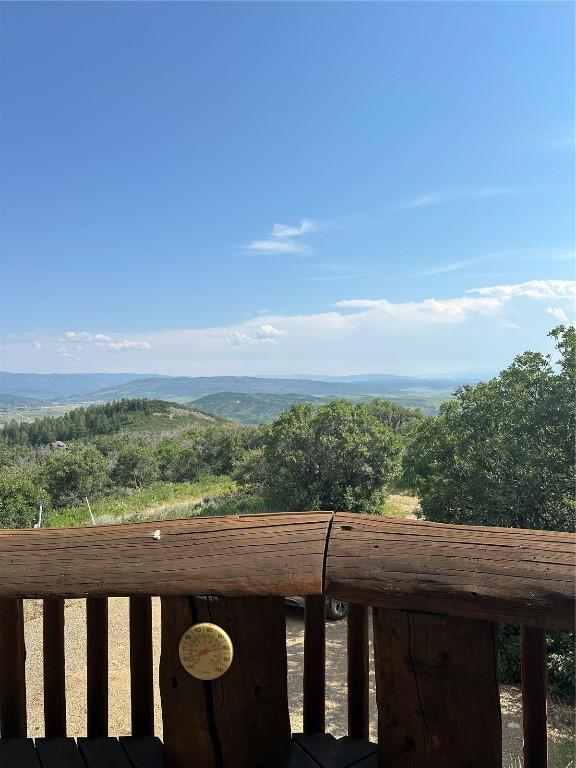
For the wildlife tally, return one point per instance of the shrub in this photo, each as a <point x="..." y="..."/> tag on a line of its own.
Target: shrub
<point x="70" y="475"/>
<point x="19" y="500"/>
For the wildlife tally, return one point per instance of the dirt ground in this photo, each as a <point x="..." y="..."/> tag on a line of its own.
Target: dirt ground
<point x="560" y="717"/>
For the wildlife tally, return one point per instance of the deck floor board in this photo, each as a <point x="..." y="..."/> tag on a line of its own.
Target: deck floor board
<point x="18" y="753"/>
<point x="317" y="750"/>
<point x="59" y="753"/>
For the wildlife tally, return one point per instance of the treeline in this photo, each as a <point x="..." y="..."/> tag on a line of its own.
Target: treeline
<point x="80" y="423"/>
<point x="110" y="464"/>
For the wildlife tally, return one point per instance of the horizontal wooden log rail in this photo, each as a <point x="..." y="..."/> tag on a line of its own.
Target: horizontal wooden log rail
<point x="508" y="575"/>
<point x="274" y="555"/>
<point x="498" y="574"/>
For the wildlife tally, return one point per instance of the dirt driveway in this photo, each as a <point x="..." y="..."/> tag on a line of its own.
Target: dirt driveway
<point x="560" y="717"/>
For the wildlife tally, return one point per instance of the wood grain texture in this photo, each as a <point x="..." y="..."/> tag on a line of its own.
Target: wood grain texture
<point x="314" y="698"/>
<point x="97" y="666"/>
<point x="277" y="554"/>
<point x="141" y="667"/>
<point x="437" y="691"/>
<point x="12" y="670"/>
<point x="534" y="697"/>
<point x="358" y="672"/>
<point x="54" y="667"/>
<point x="240" y="720"/>
<point x="497" y="574"/>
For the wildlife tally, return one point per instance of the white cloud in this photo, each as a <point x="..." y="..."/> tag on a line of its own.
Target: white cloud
<point x="122" y="346"/>
<point x="84" y="336"/>
<point x="263" y="334"/>
<point x="453" y="266"/>
<point x="433" y="310"/>
<point x="441" y="196"/>
<point x="286" y="230"/>
<point x="534" y="289"/>
<point x="281" y="239"/>
<point x="77" y="341"/>
<point x="483" y="329"/>
<point x="276" y="246"/>
<point x="558" y="313"/>
<point x="37" y="344"/>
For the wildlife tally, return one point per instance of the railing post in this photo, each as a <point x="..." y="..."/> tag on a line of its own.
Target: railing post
<point x="54" y="667"/>
<point x="534" y="697"/>
<point x="358" y="672"/>
<point x="141" y="667"/>
<point x="437" y="690"/>
<point x="12" y="669"/>
<point x="314" y="664"/>
<point x="241" y="719"/>
<point x="97" y="665"/>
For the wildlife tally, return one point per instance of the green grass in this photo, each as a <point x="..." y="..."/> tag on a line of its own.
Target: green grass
<point x="400" y="505"/>
<point x="142" y="501"/>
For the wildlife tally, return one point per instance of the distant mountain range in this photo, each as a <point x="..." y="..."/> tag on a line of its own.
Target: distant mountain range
<point x="58" y="386"/>
<point x="102" y="387"/>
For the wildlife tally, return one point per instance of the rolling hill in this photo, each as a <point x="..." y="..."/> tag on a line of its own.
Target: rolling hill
<point x="182" y="388"/>
<point x="261" y="407"/>
<point x="57" y="386"/>
<point x="252" y="409"/>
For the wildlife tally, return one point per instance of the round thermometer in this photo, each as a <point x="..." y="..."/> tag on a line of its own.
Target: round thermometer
<point x="206" y="651"/>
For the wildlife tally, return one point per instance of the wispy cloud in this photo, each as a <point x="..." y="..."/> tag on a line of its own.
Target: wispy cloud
<point x="534" y="289"/>
<point x="263" y="334"/>
<point x="558" y="313"/>
<point x="281" y="239"/>
<point x="286" y="230"/>
<point x="540" y="254"/>
<point x="276" y="246"/>
<point x="433" y="310"/>
<point x="438" y="197"/>
<point x="454" y="266"/>
<point x="73" y="342"/>
<point x="357" y="334"/>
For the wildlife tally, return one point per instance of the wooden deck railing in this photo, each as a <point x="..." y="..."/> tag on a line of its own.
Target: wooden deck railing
<point x="437" y="592"/>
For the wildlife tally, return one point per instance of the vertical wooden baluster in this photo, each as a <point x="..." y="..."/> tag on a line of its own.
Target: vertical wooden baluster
<point x="358" y="680"/>
<point x="437" y="690"/>
<point x="534" y="697"/>
<point x="315" y="664"/>
<point x="54" y="668"/>
<point x="240" y="720"/>
<point x="12" y="669"/>
<point x="97" y="665"/>
<point x="141" y="667"/>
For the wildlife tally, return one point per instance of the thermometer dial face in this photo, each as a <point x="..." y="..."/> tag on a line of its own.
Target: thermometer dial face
<point x="206" y="651"/>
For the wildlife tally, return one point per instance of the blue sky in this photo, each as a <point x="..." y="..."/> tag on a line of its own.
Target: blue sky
<point x="205" y="188"/>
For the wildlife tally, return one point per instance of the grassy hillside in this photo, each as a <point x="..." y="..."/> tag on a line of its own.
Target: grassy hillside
<point x="126" y="416"/>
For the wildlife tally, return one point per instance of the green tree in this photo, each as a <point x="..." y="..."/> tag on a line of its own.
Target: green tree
<point x="70" y="475"/>
<point x="19" y="500"/>
<point x="398" y="418"/>
<point x="135" y="466"/>
<point x="502" y="452"/>
<point x="338" y="456"/>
